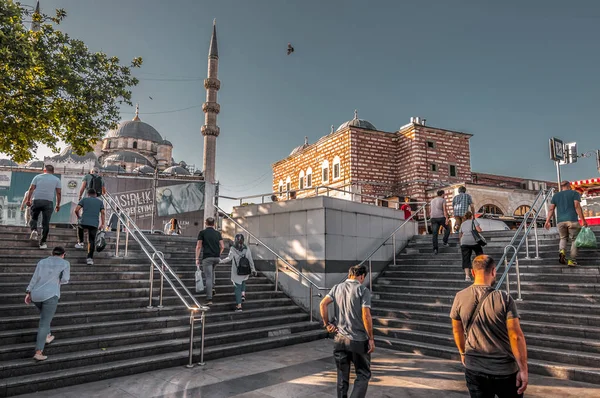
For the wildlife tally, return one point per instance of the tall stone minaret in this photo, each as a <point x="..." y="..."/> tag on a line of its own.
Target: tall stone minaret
<point x="210" y="130"/>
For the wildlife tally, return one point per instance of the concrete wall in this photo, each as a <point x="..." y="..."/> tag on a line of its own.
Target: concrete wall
<point x="320" y="236"/>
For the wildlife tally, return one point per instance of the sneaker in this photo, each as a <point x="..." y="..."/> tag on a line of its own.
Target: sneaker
<point x="243" y="298"/>
<point x="445" y="244"/>
<point x="49" y="339"/>
<point x="467" y="278"/>
<point x="209" y="302"/>
<point x="89" y="261"/>
<point x="43" y="246"/>
<point x="435" y="251"/>
<point x="572" y="263"/>
<point x="40" y="357"/>
<point x="34" y="235"/>
<point x="562" y="257"/>
<point x="238" y="309"/>
<point x="79" y="246"/>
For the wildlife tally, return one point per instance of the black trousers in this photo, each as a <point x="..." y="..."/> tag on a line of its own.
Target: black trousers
<point x="483" y="385"/>
<point x="46" y="207"/>
<point x="345" y="352"/>
<point x="466" y="251"/>
<point x="436" y="223"/>
<point x="92" y="231"/>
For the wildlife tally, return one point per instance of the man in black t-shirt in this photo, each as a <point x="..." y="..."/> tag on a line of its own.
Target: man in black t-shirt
<point x="210" y="242"/>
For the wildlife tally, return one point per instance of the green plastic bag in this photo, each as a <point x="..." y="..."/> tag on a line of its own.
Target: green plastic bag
<point x="586" y="239"/>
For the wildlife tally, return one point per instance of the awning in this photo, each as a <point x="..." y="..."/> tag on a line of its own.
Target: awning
<point x="590" y="186"/>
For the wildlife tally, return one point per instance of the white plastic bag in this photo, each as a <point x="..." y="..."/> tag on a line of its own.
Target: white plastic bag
<point x="199" y="281"/>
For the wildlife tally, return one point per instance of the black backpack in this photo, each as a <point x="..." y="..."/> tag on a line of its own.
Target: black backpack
<point x="243" y="266"/>
<point x="96" y="184"/>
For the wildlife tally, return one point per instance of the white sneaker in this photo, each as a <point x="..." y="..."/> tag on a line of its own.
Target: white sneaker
<point x="43" y="246"/>
<point x="49" y="339"/>
<point x="40" y="357"/>
<point x="79" y="246"/>
<point x="34" y="235"/>
<point x="89" y="261"/>
<point x="467" y="278"/>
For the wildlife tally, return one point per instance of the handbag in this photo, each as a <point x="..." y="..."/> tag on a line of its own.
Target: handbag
<point x="479" y="239"/>
<point x="199" y="281"/>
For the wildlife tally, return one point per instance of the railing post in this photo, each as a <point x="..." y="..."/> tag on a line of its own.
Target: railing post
<point x="370" y="275"/>
<point x="519" y="298"/>
<point x="203" y="320"/>
<point x="151" y="283"/>
<point x="191" y="354"/>
<point x="160" y="300"/>
<point x="507" y="276"/>
<point x="425" y="218"/>
<point x="118" y="236"/>
<point x="127" y="239"/>
<point x="526" y="239"/>
<point x="310" y="289"/>
<point x="537" y="241"/>
<point x="394" y="247"/>
<point x="276" y="274"/>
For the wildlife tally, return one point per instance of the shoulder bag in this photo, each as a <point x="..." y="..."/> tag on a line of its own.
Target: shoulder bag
<point x="479" y="239"/>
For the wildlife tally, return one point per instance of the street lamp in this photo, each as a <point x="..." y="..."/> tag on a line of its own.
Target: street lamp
<point x="589" y="154"/>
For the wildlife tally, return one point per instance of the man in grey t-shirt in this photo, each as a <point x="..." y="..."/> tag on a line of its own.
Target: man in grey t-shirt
<point x="487" y="332"/>
<point x="354" y="341"/>
<point x="40" y="197"/>
<point x="439" y="218"/>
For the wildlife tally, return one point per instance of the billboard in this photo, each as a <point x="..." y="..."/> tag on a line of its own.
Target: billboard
<point x="181" y="198"/>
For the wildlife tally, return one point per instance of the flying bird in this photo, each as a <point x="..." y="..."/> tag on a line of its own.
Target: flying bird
<point x="290" y="49"/>
<point x="150" y="97"/>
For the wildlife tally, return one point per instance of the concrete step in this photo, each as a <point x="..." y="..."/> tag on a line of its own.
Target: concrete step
<point x="64" y="377"/>
<point x="454" y="273"/>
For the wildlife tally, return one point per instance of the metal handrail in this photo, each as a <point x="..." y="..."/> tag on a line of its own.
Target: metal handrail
<point x="163" y="268"/>
<point x="527" y="228"/>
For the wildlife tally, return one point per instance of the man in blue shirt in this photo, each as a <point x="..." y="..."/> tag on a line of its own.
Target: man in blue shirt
<point x="91" y="219"/>
<point x="460" y="206"/>
<point x="40" y="198"/>
<point x="568" y="206"/>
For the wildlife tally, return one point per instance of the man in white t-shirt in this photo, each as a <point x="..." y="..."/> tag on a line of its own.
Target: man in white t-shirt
<point x="40" y="197"/>
<point x="439" y="218"/>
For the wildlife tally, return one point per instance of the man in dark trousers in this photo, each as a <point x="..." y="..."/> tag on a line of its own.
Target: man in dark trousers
<point x="487" y="332"/>
<point x="91" y="220"/>
<point x="92" y="181"/>
<point x="439" y="218"/>
<point x="40" y="198"/>
<point x="210" y="242"/>
<point x="354" y="341"/>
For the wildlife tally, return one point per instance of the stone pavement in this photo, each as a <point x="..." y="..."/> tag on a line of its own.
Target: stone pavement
<point x="304" y="370"/>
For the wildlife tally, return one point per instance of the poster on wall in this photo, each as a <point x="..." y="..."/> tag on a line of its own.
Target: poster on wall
<point x="136" y="204"/>
<point x="181" y="198"/>
<point x="69" y="186"/>
<point x="5" y="179"/>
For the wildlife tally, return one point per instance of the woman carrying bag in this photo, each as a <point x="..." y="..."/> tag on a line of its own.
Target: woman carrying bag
<point x="470" y="241"/>
<point x="242" y="266"/>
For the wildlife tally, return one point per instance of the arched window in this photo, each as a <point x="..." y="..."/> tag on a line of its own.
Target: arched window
<point x="134" y="144"/>
<point x="309" y="177"/>
<point x="522" y="210"/>
<point x="491" y="209"/>
<point x="280" y="187"/>
<point x="288" y="184"/>
<point x="325" y="172"/>
<point x="301" y="180"/>
<point x="336" y="168"/>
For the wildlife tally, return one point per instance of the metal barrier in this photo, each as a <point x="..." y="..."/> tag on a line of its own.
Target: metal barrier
<point x="544" y="195"/>
<point x="158" y="262"/>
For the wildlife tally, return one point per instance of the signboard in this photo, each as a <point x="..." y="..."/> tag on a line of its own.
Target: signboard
<point x="182" y="198"/>
<point x="557" y="150"/>
<point x="570" y="153"/>
<point x="137" y="204"/>
<point x="5" y="178"/>
<point x="69" y="187"/>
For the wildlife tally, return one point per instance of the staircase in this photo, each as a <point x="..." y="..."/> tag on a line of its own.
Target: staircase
<point x="560" y="311"/>
<point x="103" y="328"/>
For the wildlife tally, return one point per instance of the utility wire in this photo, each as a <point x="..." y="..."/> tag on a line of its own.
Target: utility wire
<point x="162" y="112"/>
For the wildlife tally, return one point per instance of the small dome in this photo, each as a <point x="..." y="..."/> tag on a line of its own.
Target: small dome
<point x="198" y="173"/>
<point x="166" y="142"/>
<point x="356" y="122"/>
<point x="35" y="164"/>
<point x="128" y="157"/>
<point x="68" y="154"/>
<point x="114" y="169"/>
<point x="176" y="170"/>
<point x="8" y="162"/>
<point x="144" y="170"/>
<point x="300" y="148"/>
<point x="136" y="129"/>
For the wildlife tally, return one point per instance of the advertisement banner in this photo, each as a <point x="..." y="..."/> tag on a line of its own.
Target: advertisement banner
<point x="181" y="198"/>
<point x="136" y="204"/>
<point x="70" y="185"/>
<point x="5" y="178"/>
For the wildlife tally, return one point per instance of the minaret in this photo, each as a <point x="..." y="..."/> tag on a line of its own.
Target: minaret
<point x="210" y="130"/>
<point x="35" y="25"/>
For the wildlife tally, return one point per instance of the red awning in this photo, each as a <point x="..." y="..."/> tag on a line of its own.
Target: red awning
<point x="590" y="186"/>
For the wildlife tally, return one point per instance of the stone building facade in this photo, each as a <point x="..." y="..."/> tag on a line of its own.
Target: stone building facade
<point x="374" y="166"/>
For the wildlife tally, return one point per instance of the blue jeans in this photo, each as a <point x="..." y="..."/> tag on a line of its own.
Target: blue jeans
<point x="208" y="266"/>
<point x="436" y="223"/>
<point x="239" y="288"/>
<point x="47" y="310"/>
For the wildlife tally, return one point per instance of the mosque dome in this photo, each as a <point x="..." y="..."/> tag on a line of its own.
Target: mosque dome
<point x="114" y="169"/>
<point x="176" y="170"/>
<point x="8" y="162"/>
<point x="144" y="170"/>
<point x="356" y="122"/>
<point x="35" y="164"/>
<point x="166" y="142"/>
<point x="136" y="129"/>
<point x="300" y="148"/>
<point x="127" y="157"/>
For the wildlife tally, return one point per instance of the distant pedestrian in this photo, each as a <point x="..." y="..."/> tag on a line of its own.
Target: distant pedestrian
<point x="567" y="203"/>
<point x="354" y="341"/>
<point x="94" y="181"/>
<point x="488" y="334"/>
<point x="40" y="198"/>
<point x="174" y="228"/>
<point x="406" y="208"/>
<point x="113" y="222"/>
<point x="439" y="219"/>
<point x="242" y="266"/>
<point x="210" y="243"/>
<point x="44" y="292"/>
<point x="90" y="220"/>
<point x="468" y="244"/>
<point x="460" y="205"/>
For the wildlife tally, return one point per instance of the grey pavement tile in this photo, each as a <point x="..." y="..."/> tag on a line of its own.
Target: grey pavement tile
<point x="252" y="394"/>
<point x="146" y="386"/>
<point x="97" y="389"/>
<point x="187" y="380"/>
<point x="293" y="389"/>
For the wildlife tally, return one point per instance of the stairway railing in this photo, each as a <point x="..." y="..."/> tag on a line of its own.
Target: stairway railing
<point x="533" y="212"/>
<point x="158" y="262"/>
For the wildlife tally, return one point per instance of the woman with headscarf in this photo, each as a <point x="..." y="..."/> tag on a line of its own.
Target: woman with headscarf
<point x="236" y="253"/>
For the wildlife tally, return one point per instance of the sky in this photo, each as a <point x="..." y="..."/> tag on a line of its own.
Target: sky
<point x="512" y="73"/>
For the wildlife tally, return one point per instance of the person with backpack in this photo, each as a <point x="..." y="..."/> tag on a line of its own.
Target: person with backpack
<point x="242" y="266"/>
<point x="90" y="219"/>
<point x="92" y="181"/>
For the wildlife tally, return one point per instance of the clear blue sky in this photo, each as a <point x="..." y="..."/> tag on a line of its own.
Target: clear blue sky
<point x="512" y="73"/>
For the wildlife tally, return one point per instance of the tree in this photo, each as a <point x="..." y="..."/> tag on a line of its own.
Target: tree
<point x="52" y="87"/>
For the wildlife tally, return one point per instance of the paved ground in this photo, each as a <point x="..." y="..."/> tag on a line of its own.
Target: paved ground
<point x="305" y="370"/>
